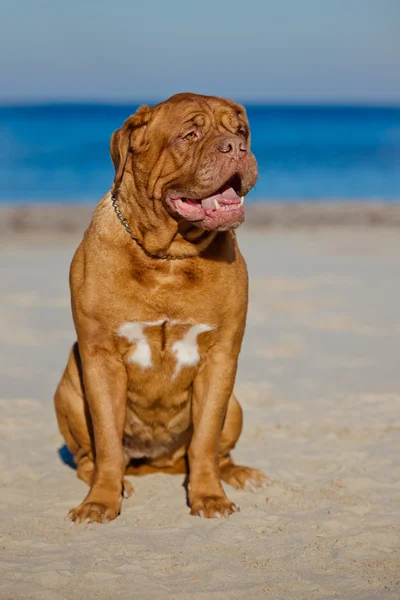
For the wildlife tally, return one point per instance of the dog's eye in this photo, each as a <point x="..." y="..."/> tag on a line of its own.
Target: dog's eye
<point x="190" y="136"/>
<point x="241" y="131"/>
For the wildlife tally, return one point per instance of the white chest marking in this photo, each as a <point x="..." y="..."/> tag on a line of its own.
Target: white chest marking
<point x="185" y="350"/>
<point x="134" y="333"/>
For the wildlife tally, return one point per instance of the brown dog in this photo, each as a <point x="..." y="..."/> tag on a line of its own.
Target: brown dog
<point x="159" y="299"/>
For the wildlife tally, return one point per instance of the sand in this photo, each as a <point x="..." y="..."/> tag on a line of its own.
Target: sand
<point x="67" y="219"/>
<point x="319" y="383"/>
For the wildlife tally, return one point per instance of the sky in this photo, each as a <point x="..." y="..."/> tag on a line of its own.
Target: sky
<point x="294" y="51"/>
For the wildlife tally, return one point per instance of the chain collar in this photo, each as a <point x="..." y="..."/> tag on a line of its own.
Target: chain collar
<point x="128" y="229"/>
<point x="120" y="217"/>
<point x="139" y="243"/>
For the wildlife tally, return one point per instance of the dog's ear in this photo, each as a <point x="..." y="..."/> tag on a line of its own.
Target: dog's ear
<point x="132" y="133"/>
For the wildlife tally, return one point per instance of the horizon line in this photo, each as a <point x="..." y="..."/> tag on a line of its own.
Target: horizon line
<point x="354" y="103"/>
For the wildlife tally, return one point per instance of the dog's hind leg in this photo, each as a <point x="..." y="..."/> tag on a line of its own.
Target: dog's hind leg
<point x="74" y="420"/>
<point x="237" y="476"/>
<point x="73" y="416"/>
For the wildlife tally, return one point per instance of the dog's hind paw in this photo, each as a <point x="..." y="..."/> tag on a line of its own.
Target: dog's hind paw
<point x="127" y="489"/>
<point x="244" y="478"/>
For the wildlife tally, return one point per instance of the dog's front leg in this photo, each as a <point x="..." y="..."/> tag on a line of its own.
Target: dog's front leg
<point x="105" y="382"/>
<point x="212" y="389"/>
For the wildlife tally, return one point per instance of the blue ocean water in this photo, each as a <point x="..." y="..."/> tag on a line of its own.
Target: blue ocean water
<point x="61" y="152"/>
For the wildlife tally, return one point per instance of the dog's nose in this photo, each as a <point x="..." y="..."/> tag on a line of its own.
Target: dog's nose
<point x="232" y="146"/>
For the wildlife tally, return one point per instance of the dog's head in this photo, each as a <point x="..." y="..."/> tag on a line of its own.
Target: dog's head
<point x="190" y="153"/>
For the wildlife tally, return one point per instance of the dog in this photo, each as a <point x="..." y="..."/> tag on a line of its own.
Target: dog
<point x="159" y="300"/>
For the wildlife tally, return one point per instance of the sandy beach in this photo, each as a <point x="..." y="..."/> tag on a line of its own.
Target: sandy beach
<point x="319" y="383"/>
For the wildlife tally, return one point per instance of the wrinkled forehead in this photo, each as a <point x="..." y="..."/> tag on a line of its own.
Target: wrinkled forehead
<point x="200" y="111"/>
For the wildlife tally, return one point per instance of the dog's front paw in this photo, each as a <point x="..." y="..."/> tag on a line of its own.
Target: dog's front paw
<point x="212" y="507"/>
<point x="93" y="512"/>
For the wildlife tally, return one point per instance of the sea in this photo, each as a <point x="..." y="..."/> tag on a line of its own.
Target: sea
<point x="60" y="152"/>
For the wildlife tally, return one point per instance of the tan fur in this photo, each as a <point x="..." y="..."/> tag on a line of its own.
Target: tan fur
<point x="174" y="276"/>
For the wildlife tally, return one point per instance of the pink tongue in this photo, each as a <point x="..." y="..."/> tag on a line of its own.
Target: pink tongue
<point x="229" y="193"/>
<point x="209" y="202"/>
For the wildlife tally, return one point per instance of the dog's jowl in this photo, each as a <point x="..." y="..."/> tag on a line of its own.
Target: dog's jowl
<point x="159" y="300"/>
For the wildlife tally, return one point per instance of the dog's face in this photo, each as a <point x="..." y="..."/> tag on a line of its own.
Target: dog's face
<point x="192" y="154"/>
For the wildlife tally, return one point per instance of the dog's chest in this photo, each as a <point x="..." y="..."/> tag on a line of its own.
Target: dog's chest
<point x="162" y="358"/>
<point x="168" y="346"/>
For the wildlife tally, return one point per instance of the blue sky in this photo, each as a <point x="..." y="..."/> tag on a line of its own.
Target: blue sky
<point x="251" y="50"/>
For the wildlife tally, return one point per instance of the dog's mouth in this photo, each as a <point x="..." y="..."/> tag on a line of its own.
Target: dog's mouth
<point x="222" y="210"/>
